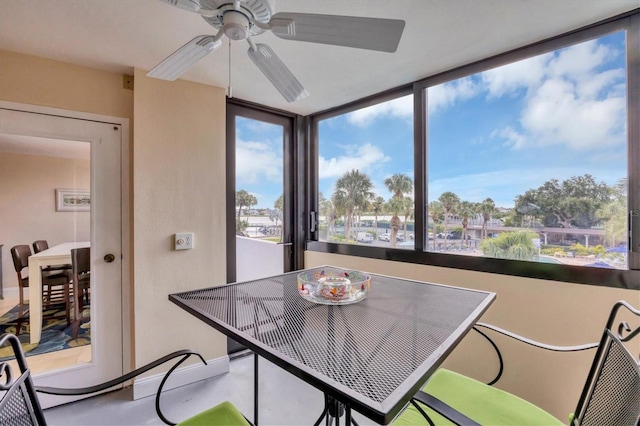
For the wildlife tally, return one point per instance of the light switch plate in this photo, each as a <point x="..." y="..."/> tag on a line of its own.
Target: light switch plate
<point x="184" y="241"/>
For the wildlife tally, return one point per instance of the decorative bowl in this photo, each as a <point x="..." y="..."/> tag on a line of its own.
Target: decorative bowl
<point x="330" y="286"/>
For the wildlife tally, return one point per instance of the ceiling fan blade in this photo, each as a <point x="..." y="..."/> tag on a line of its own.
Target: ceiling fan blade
<point x="191" y="6"/>
<point x="351" y="31"/>
<point x="180" y="60"/>
<point x="277" y="72"/>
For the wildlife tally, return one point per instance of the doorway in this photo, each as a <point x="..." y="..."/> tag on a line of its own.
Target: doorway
<point x="99" y="142"/>
<point x="260" y="195"/>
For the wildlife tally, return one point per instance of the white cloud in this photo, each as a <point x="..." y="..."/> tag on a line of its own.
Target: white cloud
<point x="580" y="59"/>
<point x="569" y="102"/>
<point x="398" y="108"/>
<point x="257" y="161"/>
<point x="447" y="94"/>
<point x="507" y="79"/>
<point x="558" y="115"/>
<point x="362" y="158"/>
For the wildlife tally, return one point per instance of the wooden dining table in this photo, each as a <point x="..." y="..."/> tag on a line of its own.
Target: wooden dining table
<point x="57" y="255"/>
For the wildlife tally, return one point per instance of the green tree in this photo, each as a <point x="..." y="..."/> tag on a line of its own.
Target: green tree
<point x="436" y="213"/>
<point x="517" y="245"/>
<point x="614" y="214"/>
<point x="466" y="211"/>
<point x="278" y="207"/>
<point x="407" y="211"/>
<point x="244" y="199"/>
<point x="398" y="184"/>
<point x="353" y="190"/>
<point x="450" y="203"/>
<point x="487" y="208"/>
<point x="395" y="206"/>
<point x="378" y="208"/>
<point x="572" y="203"/>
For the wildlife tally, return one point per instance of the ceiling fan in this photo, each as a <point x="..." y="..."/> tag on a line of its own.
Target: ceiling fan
<point x="245" y="19"/>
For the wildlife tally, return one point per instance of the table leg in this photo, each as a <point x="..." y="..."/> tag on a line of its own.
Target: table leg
<point x="35" y="301"/>
<point x="255" y="389"/>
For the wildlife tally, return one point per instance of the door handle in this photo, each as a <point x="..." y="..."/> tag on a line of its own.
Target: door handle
<point x="109" y="258"/>
<point x="285" y="244"/>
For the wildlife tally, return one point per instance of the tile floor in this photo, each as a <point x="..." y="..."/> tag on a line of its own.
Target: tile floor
<point x="284" y="400"/>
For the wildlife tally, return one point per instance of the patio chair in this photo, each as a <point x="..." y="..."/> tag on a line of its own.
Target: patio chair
<point x="611" y="395"/>
<point x="19" y="405"/>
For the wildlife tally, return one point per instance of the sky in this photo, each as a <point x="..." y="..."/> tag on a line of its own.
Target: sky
<point x="494" y="134"/>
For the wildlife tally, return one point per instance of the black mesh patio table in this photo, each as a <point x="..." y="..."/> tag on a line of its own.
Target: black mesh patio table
<point x="371" y="356"/>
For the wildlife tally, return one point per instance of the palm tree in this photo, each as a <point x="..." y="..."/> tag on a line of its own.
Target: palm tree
<point x="378" y="207"/>
<point x="399" y="184"/>
<point x="395" y="206"/>
<point x="515" y="245"/>
<point x="244" y="199"/>
<point x="407" y="210"/>
<point x="450" y="203"/>
<point x="488" y="209"/>
<point x="353" y="190"/>
<point x="466" y="211"/>
<point x="435" y="212"/>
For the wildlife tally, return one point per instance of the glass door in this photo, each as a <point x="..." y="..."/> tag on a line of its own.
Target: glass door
<point x="259" y="195"/>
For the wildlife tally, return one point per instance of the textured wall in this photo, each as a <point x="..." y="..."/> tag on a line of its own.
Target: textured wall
<point x="179" y="186"/>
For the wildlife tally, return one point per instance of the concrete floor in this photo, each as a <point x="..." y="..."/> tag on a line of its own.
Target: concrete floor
<point x="284" y="400"/>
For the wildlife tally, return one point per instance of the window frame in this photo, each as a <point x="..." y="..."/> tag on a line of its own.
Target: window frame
<point x="629" y="279"/>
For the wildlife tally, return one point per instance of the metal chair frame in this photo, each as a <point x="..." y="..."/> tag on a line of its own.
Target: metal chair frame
<point x="19" y="404"/>
<point x="600" y="380"/>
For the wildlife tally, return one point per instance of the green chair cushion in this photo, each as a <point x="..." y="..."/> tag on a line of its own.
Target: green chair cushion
<point x="482" y="403"/>
<point x="223" y="414"/>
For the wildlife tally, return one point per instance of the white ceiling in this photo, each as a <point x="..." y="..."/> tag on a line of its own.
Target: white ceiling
<point x="120" y="35"/>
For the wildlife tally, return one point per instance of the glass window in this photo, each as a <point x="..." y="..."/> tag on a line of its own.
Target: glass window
<point x="528" y="161"/>
<point x="365" y="176"/>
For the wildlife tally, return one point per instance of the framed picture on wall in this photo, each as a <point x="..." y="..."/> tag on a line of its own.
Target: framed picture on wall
<point x="73" y="200"/>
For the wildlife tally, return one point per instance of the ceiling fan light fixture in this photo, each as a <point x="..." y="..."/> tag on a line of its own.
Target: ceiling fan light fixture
<point x="236" y="25"/>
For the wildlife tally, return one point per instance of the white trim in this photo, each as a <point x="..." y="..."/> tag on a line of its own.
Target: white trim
<point x="148" y="386"/>
<point x="126" y="331"/>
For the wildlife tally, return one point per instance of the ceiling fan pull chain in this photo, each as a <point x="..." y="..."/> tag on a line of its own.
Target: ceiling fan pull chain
<point x="229" y="91"/>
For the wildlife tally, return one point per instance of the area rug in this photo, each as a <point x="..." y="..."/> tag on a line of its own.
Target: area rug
<point x="56" y="334"/>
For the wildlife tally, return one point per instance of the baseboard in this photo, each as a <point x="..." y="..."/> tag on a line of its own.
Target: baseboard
<point x="182" y="376"/>
<point x="11" y="293"/>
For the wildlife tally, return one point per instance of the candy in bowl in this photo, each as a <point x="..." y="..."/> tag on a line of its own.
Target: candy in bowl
<point x="332" y="286"/>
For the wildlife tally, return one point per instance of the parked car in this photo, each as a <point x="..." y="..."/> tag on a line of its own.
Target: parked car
<point x="384" y="237"/>
<point x="364" y="237"/>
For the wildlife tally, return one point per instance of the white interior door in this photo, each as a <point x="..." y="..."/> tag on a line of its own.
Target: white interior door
<point x="106" y="136"/>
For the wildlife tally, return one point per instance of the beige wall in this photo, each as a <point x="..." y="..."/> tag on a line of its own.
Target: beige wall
<point x="27" y="204"/>
<point x="547" y="311"/>
<point x="179" y="186"/>
<point x="178" y="170"/>
<point x="39" y="81"/>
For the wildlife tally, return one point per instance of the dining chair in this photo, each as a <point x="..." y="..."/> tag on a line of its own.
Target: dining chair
<point x="42" y="245"/>
<point x="611" y="395"/>
<point x="55" y="286"/>
<point x="20" y="406"/>
<point x="81" y="281"/>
